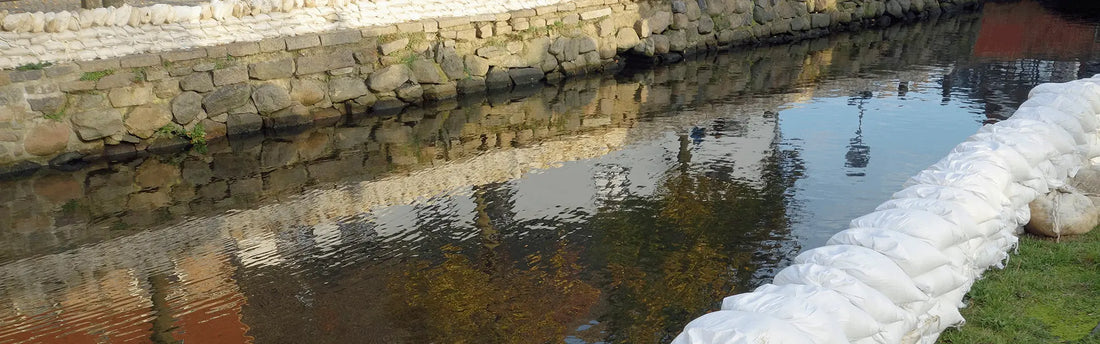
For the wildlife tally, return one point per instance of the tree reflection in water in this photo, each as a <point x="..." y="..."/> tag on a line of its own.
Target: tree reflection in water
<point x="643" y="265"/>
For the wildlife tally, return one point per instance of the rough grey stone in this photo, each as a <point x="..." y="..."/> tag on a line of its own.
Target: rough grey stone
<point x="302" y="42"/>
<point x="440" y="92"/>
<point x="819" y="20"/>
<point x="239" y="124"/>
<point x="141" y="60"/>
<point x="294" y="116"/>
<point x="525" y="76"/>
<point x="660" y="21"/>
<point x="115" y="80"/>
<point x="450" y="63"/>
<point x="95" y="124"/>
<point x="230" y="75"/>
<point x="278" y="69"/>
<point x="324" y="62"/>
<point x="225" y="98"/>
<point x="389" y="78"/>
<point x="761" y="15"/>
<point x="477" y="66"/>
<point x="130" y="96"/>
<point x="410" y="92"/>
<point x="471" y="85"/>
<point x="269" y="98"/>
<point x="586" y="44"/>
<point x="390" y="47"/>
<point x="800" y="23"/>
<point x="143" y="121"/>
<point x="427" y="72"/>
<point x="341" y="37"/>
<point x="186" y="107"/>
<point x="198" y="82"/>
<point x="498" y="78"/>
<point x="342" y="89"/>
<point x="706" y="25"/>
<point x="678" y="6"/>
<point x="47" y="105"/>
<point x="309" y="92"/>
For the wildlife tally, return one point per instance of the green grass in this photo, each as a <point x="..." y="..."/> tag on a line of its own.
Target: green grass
<point x="95" y="76"/>
<point x="1048" y="293"/>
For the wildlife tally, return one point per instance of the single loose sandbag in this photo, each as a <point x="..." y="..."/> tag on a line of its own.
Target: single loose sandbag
<point x="1062" y="213"/>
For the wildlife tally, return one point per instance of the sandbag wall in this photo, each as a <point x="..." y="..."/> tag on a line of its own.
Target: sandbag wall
<point x="899" y="274"/>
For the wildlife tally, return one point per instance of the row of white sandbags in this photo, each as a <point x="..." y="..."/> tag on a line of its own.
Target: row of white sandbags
<point x="900" y="273"/>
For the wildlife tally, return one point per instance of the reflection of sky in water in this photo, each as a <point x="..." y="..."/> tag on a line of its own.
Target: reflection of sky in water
<point x="905" y="134"/>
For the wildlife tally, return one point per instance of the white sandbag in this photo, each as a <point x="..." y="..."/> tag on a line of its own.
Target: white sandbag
<point x="1020" y="195"/>
<point x="1070" y="124"/>
<point x="963" y="171"/>
<point x="1012" y="160"/>
<point x="984" y="253"/>
<point x="975" y="163"/>
<point x="941" y="280"/>
<point x="737" y="327"/>
<point x="813" y="307"/>
<point x="969" y="199"/>
<point x="1054" y="175"/>
<point x="920" y="224"/>
<point x="1068" y="165"/>
<point x="867" y="266"/>
<point x="1029" y="143"/>
<point x="984" y="222"/>
<point x="867" y="299"/>
<point x="1086" y="90"/>
<point x="912" y="255"/>
<point x="1068" y="104"/>
<point x="892" y="333"/>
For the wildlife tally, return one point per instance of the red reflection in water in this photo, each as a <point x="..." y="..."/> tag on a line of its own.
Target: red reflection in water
<point x="1028" y="30"/>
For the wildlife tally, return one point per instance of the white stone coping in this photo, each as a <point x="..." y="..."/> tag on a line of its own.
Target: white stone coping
<point x="112" y="32"/>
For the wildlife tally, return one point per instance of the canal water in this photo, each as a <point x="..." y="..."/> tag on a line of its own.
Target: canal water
<point x="610" y="209"/>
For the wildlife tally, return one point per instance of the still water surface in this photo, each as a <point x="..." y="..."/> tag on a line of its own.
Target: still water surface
<point x="611" y="209"/>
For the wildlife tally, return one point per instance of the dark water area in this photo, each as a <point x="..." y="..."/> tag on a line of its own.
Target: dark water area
<point x="610" y="209"/>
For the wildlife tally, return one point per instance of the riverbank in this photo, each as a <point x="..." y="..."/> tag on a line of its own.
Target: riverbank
<point x="135" y="99"/>
<point x="1048" y="293"/>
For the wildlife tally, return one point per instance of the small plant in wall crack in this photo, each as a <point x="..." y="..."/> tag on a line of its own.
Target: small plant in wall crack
<point x="56" y="116"/>
<point x="34" y="66"/>
<point x="197" y="135"/>
<point x="95" y="76"/>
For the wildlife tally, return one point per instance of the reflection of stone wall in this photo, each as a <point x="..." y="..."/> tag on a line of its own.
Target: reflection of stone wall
<point x="52" y="211"/>
<point x="106" y="107"/>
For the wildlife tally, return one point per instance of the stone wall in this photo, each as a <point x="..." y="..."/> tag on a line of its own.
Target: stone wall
<point x="68" y="113"/>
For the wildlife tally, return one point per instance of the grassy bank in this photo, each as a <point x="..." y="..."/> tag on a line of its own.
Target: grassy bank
<point x="1048" y="293"/>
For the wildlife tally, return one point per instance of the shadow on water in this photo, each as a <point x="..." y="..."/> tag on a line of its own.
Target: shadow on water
<point x="614" y="208"/>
